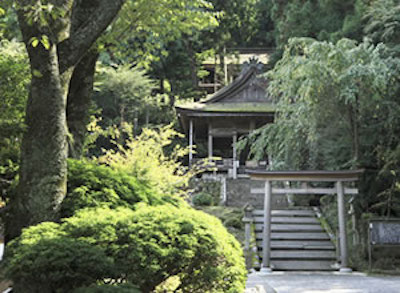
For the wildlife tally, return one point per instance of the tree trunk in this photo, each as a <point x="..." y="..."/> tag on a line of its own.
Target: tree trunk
<point x="79" y="102"/>
<point x="43" y="171"/>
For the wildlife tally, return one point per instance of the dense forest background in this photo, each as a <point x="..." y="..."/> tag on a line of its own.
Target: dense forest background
<point x="144" y="65"/>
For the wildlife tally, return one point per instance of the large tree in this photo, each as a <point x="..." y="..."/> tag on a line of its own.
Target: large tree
<point x="57" y="34"/>
<point x="62" y="41"/>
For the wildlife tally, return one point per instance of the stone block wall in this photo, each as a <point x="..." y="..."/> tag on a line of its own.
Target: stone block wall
<point x="238" y="194"/>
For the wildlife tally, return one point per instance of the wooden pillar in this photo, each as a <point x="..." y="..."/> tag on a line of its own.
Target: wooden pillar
<point x="266" y="260"/>
<point x="252" y="126"/>
<point x="210" y="142"/>
<point x="190" y="142"/>
<point x="342" y="228"/>
<point x="234" y="157"/>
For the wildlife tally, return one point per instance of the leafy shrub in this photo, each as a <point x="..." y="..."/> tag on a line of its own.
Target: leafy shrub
<point x="145" y="247"/>
<point x="44" y="259"/>
<point x="210" y="186"/>
<point x="202" y="199"/>
<point x="94" y="185"/>
<point x="153" y="156"/>
<point x="234" y="222"/>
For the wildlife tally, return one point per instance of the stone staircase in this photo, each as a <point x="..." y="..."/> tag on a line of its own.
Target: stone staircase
<point x="298" y="241"/>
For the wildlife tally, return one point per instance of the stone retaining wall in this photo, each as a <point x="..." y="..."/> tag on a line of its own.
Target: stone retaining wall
<point x="238" y="194"/>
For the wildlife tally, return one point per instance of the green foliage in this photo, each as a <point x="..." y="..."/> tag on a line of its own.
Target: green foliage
<point x="14" y="70"/>
<point x="332" y="92"/>
<point x="202" y="199"/>
<point x="94" y="185"/>
<point x="114" y="288"/>
<point x="333" y="101"/>
<point x="164" y="39"/>
<point x="145" y="247"/>
<point x="156" y="24"/>
<point x="388" y="203"/>
<point x="124" y="93"/>
<point x="152" y="157"/>
<point x="230" y="217"/>
<point x="384" y="23"/>
<point x="234" y="222"/>
<point x="238" y="25"/>
<point x="211" y="187"/>
<point x="320" y="19"/>
<point x="45" y="259"/>
<point x="8" y="22"/>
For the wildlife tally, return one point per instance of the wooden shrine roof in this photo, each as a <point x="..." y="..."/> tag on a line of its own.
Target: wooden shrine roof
<point x="245" y="95"/>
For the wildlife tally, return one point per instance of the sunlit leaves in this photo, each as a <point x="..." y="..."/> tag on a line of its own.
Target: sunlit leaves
<point x="43" y="14"/>
<point x="145" y="157"/>
<point x="155" y="23"/>
<point x="44" y="40"/>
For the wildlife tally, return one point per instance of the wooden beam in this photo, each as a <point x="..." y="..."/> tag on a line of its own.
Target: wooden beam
<point x="305" y="190"/>
<point x="234" y="140"/>
<point x="227" y="132"/>
<point x="194" y="113"/>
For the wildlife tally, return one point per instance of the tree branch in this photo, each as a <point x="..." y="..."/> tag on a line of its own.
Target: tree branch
<point x="71" y="50"/>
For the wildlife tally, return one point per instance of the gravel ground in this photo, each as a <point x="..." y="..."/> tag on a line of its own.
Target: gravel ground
<point x="310" y="282"/>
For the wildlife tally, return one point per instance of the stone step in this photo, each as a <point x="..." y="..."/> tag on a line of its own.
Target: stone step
<point x="291" y="228"/>
<point x="289" y="220"/>
<point x="295" y="236"/>
<point x="287" y="213"/>
<point x="303" y="265"/>
<point x="307" y="245"/>
<point x="302" y="254"/>
<point x="298" y="241"/>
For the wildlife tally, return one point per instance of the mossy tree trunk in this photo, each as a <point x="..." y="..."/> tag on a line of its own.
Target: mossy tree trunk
<point x="43" y="172"/>
<point x="79" y="102"/>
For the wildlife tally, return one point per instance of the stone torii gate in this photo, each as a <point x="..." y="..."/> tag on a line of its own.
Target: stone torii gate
<point x="336" y="177"/>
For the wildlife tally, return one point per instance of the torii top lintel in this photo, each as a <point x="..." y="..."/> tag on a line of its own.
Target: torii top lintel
<point x="307" y="176"/>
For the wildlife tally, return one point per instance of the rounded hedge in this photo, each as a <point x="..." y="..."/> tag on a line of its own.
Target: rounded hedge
<point x="45" y="259"/>
<point x="94" y="185"/>
<point x="202" y="199"/>
<point x="145" y="247"/>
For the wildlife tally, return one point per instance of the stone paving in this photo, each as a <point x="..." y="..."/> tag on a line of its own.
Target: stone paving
<point x="317" y="282"/>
